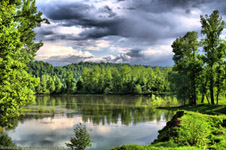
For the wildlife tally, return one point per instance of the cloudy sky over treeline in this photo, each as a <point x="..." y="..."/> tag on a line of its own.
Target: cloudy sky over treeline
<point x="119" y="31"/>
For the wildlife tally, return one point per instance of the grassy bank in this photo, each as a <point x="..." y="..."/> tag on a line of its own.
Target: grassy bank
<point x="192" y="128"/>
<point x="201" y="108"/>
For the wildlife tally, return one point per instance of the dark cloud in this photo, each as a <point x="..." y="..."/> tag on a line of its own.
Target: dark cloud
<point x="160" y="6"/>
<point x="75" y="13"/>
<point x="109" y="11"/>
<point x="142" y="23"/>
<point x="94" y="33"/>
<point x="45" y="31"/>
<point x="65" y="60"/>
<point x="149" y="20"/>
<point x="135" y="53"/>
<point x="136" y="56"/>
<point x="104" y="22"/>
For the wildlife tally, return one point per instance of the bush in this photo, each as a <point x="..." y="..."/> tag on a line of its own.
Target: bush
<point x="193" y="130"/>
<point x="138" y="89"/>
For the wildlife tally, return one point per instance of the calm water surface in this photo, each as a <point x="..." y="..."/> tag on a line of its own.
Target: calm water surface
<point x="114" y="121"/>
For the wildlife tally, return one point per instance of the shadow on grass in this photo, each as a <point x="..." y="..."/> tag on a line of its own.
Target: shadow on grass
<point x="201" y="108"/>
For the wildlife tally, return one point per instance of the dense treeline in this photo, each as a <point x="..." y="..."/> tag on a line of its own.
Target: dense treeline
<point x="108" y="78"/>
<point x="126" y="79"/>
<point x="202" y="71"/>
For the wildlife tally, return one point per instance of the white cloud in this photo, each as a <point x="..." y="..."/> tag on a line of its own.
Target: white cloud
<point x="158" y="49"/>
<point x="97" y="45"/>
<point x="50" y="50"/>
<point x="68" y="30"/>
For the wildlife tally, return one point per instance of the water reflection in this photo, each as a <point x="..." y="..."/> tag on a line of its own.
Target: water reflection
<point x="107" y="109"/>
<point x="114" y="120"/>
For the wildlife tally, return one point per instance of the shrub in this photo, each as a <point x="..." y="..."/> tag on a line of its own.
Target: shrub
<point x="138" y="89"/>
<point x="193" y="130"/>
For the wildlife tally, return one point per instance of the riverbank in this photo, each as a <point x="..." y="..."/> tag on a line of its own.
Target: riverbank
<point x="201" y="108"/>
<point x="197" y="127"/>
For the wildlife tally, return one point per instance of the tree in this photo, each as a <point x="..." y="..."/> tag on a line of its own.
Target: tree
<point x="51" y="85"/>
<point x="38" y="87"/>
<point x="179" y="85"/>
<point x="108" y="81"/>
<point x="125" y="72"/>
<point x="187" y="63"/>
<point x="58" y="85"/>
<point x="150" y="79"/>
<point x="220" y="79"/>
<point x="81" y="140"/>
<point x="203" y="88"/>
<point x="70" y="82"/>
<point x="95" y="78"/>
<point x="44" y="80"/>
<point x="159" y="80"/>
<point x="212" y="27"/>
<point x="116" y="80"/>
<point x="17" y="47"/>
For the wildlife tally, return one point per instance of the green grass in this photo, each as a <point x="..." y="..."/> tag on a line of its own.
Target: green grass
<point x="188" y="131"/>
<point x="201" y="108"/>
<point x="152" y="147"/>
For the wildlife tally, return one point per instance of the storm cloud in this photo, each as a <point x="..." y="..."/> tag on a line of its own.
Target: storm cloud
<point x="130" y="27"/>
<point x="142" y="23"/>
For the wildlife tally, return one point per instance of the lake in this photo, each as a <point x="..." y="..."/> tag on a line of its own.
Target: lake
<point x="113" y="121"/>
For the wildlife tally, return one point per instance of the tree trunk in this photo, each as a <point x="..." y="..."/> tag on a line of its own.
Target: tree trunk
<point x="204" y="91"/>
<point x="202" y="101"/>
<point x="217" y="97"/>
<point x="207" y="99"/>
<point x="194" y="94"/>
<point x="211" y="87"/>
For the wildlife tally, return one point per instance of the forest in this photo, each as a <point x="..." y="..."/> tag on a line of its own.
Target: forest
<point x="99" y="78"/>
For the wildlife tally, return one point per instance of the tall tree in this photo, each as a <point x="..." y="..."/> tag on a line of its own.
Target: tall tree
<point x="70" y="82"/>
<point x="58" y="85"/>
<point x="212" y="27"/>
<point x="187" y="63"/>
<point x="17" y="47"/>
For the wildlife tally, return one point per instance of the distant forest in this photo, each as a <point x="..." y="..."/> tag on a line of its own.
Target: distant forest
<point x="99" y="78"/>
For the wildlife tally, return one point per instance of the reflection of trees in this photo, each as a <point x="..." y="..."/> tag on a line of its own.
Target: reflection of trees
<point x="108" y="109"/>
<point x="25" y="117"/>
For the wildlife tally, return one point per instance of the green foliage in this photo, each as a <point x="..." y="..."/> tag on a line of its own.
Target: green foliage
<point x="99" y="78"/>
<point x="166" y="146"/>
<point x="125" y="80"/>
<point x="194" y="131"/>
<point x="195" y="71"/>
<point x="70" y="82"/>
<point x="81" y="139"/>
<point x="17" y="21"/>
<point x="6" y="141"/>
<point x="138" y="89"/>
<point x="214" y="47"/>
<point x="163" y="101"/>
<point x="187" y="65"/>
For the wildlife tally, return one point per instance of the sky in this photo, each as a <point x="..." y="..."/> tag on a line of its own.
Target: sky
<point x="118" y="31"/>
